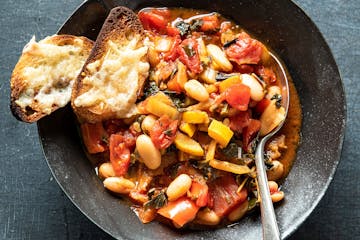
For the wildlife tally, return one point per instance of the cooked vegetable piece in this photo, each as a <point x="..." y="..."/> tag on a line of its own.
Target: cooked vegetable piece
<point x="188" y="52"/>
<point x="195" y="117"/>
<point x="224" y="197"/>
<point x="94" y="136"/>
<point x="154" y="20"/>
<point x="119" y="154"/>
<point x="159" y="108"/>
<point x="188" y="128"/>
<point x="227" y="83"/>
<point x="238" y="96"/>
<point x="246" y="50"/>
<point x="148" y="152"/>
<point x="219" y="57"/>
<point x="188" y="145"/>
<point x="229" y="167"/>
<point x="178" y="187"/>
<point x="250" y="132"/>
<point x="199" y="193"/>
<point x="220" y="132"/>
<point x="163" y="132"/>
<point x="180" y="211"/>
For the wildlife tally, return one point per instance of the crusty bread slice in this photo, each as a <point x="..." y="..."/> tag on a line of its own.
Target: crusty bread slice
<point x="115" y="71"/>
<point x="42" y="79"/>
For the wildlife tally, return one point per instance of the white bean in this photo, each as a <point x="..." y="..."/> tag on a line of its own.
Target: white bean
<point x="106" y="170"/>
<point x="238" y="212"/>
<point x="256" y="90"/>
<point x="178" y="187"/>
<point x="196" y="90"/>
<point x="277" y="196"/>
<point x="273" y="90"/>
<point x="148" y="152"/>
<point x="271" y="118"/>
<point x="148" y="123"/>
<point x="276" y="171"/>
<point x="207" y="217"/>
<point x="119" y="185"/>
<point x="219" y="57"/>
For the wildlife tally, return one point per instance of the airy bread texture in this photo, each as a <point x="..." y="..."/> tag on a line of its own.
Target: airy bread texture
<point x="43" y="78"/>
<point x="113" y="75"/>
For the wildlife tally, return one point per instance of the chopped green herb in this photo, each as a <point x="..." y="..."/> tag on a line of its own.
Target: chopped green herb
<point x="168" y="132"/>
<point x="183" y="27"/>
<point x="252" y="203"/>
<point x="150" y="89"/>
<point x="196" y="24"/>
<point x="278" y="99"/>
<point x="157" y="201"/>
<point x="231" y="150"/>
<point x="105" y="139"/>
<point x="222" y="76"/>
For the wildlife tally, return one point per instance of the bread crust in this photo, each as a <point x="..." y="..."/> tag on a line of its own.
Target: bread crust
<point x="31" y="58"/>
<point x="121" y="25"/>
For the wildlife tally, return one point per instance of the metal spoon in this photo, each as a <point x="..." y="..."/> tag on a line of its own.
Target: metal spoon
<point x="269" y="224"/>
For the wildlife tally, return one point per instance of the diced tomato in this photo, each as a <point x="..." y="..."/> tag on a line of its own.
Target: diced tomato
<point x="93" y="136"/>
<point x="199" y="193"/>
<point x="119" y="154"/>
<point x="146" y="215"/>
<point x="172" y="54"/>
<point x="173" y="85"/>
<point x="164" y="131"/>
<point x="267" y="74"/>
<point x="246" y="50"/>
<point x="260" y="106"/>
<point x="153" y="21"/>
<point x="173" y="31"/>
<point x="210" y="23"/>
<point x="239" y="121"/>
<point x="224" y="196"/>
<point x="180" y="211"/>
<point x="238" y="96"/>
<point x="189" y="55"/>
<point x="250" y="132"/>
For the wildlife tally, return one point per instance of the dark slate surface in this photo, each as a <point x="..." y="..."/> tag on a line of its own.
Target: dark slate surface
<point x="32" y="206"/>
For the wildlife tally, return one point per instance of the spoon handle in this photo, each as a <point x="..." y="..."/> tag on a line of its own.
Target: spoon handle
<point x="268" y="218"/>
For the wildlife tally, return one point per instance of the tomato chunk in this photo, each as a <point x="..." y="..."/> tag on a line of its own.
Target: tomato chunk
<point x="250" y="132"/>
<point x="119" y="154"/>
<point x="93" y="136"/>
<point x="164" y="131"/>
<point x="189" y="55"/>
<point x="246" y="50"/>
<point x="210" y="23"/>
<point x="180" y="211"/>
<point x="239" y="121"/>
<point x="238" y="96"/>
<point x="224" y="196"/>
<point x="153" y="20"/>
<point x="172" y="54"/>
<point x="199" y="193"/>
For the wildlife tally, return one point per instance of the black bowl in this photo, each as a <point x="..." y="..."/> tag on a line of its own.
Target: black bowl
<point x="293" y="36"/>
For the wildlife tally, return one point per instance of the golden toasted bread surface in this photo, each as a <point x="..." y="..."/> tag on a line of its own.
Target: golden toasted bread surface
<point x="115" y="71"/>
<point x="42" y="79"/>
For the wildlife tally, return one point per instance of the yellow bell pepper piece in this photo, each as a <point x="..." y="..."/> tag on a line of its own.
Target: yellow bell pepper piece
<point x="210" y="154"/>
<point x="196" y="117"/>
<point x="188" y="145"/>
<point x="159" y="108"/>
<point x="220" y="132"/>
<point x="188" y="128"/>
<point x="229" y="167"/>
<point x="228" y="83"/>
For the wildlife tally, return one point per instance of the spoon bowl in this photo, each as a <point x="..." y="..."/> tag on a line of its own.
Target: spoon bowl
<point x="268" y="219"/>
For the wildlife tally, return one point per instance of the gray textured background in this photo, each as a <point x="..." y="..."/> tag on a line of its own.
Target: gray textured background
<point x="32" y="206"/>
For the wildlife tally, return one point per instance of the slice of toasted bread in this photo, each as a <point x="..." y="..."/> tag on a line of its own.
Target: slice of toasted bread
<point x="115" y="71"/>
<point x="42" y="79"/>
